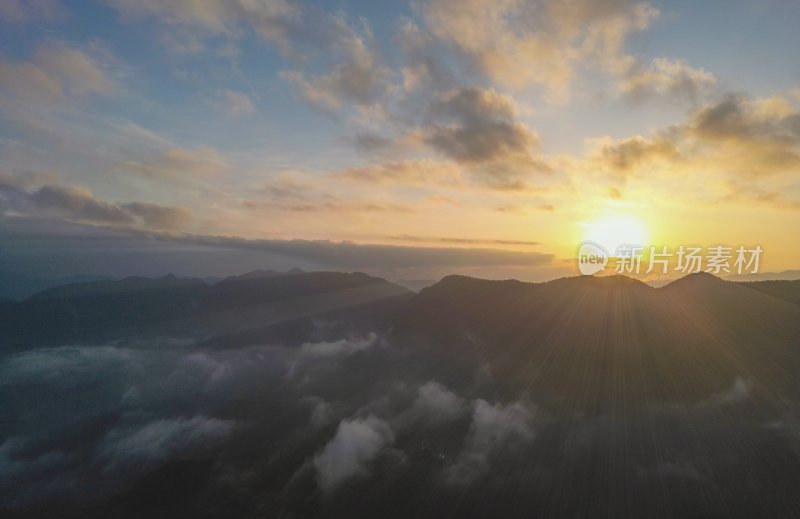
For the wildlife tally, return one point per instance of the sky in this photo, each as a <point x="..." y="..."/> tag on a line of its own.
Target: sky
<point x="406" y="139"/>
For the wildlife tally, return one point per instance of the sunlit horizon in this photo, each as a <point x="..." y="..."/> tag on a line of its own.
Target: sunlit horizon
<point x="493" y="138"/>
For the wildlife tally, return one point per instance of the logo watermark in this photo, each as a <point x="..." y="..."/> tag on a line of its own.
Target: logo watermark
<point x="592" y="258"/>
<point x="637" y="259"/>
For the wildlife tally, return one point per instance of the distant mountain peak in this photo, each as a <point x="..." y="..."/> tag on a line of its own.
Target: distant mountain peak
<point x="295" y="270"/>
<point x="254" y="274"/>
<point x="695" y="279"/>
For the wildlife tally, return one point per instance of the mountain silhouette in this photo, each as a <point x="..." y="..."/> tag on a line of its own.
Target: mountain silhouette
<point x="188" y="307"/>
<point x="599" y="341"/>
<point x="326" y="394"/>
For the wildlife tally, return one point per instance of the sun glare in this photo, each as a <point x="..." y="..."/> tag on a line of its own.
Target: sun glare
<point x="612" y="231"/>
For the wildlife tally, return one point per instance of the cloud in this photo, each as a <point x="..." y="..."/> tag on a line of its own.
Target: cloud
<point x="494" y="427"/>
<point x="408" y="172"/>
<point x="523" y="211"/>
<point x="743" y="119"/>
<point x="12" y="464"/>
<point x="353" y="72"/>
<point x="59" y="366"/>
<point x="272" y="19"/>
<point x="81" y="72"/>
<point x="58" y="70"/>
<point x="329" y="203"/>
<point x="341" y="347"/>
<point x="108" y="414"/>
<point x="437" y="404"/>
<point x="746" y="148"/>
<point x="524" y="43"/>
<point x="749" y="194"/>
<point x="287" y="188"/>
<point x="369" y="142"/>
<point x="668" y="76"/>
<point x="483" y="126"/>
<point x="740" y="391"/>
<point x="180" y="164"/>
<point x="465" y="241"/>
<point x="477" y="128"/>
<point x="357" y="76"/>
<point x="321" y="411"/>
<point x="50" y="242"/>
<point x="163" y="439"/>
<point x="748" y="137"/>
<point x="156" y="216"/>
<point x="351" y="255"/>
<point x="356" y="443"/>
<point x="625" y="157"/>
<point x="423" y="68"/>
<point x="236" y="103"/>
<point x="80" y="205"/>
<point x="306" y="198"/>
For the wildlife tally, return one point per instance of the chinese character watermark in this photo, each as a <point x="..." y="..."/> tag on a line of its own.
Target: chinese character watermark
<point x="636" y="259"/>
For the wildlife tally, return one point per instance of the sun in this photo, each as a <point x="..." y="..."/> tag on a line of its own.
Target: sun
<point x="612" y="231"/>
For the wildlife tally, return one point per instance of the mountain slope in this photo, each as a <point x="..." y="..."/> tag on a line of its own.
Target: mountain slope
<point x="141" y="307"/>
<point x="787" y="290"/>
<point x="17" y="286"/>
<point x="593" y="342"/>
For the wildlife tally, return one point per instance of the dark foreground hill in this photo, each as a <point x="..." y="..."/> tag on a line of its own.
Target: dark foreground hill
<point x="342" y="395"/>
<point x="596" y="342"/>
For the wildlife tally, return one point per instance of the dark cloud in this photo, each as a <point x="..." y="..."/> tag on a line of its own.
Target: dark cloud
<point x="738" y="118"/>
<point x="751" y="137"/>
<point x="475" y="131"/>
<point x="163" y="252"/>
<point x="79" y="205"/>
<point x="351" y="255"/>
<point x="482" y="127"/>
<point x="630" y="156"/>
<point x="736" y="137"/>
<point x="38" y="246"/>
